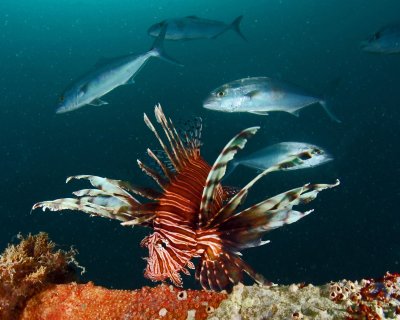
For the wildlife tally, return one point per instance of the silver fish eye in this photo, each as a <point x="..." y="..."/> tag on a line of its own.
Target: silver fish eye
<point x="376" y="35"/>
<point x="61" y="98"/>
<point x="221" y="93"/>
<point x="317" y="151"/>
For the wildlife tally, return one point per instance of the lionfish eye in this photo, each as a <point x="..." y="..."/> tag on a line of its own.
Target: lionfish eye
<point x="163" y="244"/>
<point x="220" y="93"/>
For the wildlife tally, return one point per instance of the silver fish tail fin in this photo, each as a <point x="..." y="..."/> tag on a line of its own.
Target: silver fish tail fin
<point x="158" y="48"/>
<point x="329" y="112"/>
<point x="235" y="25"/>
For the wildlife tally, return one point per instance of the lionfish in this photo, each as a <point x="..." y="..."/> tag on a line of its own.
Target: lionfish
<point x="192" y="215"/>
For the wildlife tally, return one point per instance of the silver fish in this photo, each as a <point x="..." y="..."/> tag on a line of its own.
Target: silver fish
<point x="386" y="40"/>
<point x="193" y="27"/>
<point x="271" y="155"/>
<point x="106" y="76"/>
<point x="261" y="95"/>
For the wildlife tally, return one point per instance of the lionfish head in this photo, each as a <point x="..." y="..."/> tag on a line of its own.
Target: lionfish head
<point x="161" y="263"/>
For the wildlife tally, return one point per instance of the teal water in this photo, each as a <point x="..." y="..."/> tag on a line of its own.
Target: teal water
<point x="353" y="232"/>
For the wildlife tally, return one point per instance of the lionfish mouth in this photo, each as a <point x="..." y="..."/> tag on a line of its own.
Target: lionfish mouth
<point x="191" y="213"/>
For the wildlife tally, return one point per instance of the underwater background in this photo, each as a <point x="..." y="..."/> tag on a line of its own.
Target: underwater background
<point x="354" y="231"/>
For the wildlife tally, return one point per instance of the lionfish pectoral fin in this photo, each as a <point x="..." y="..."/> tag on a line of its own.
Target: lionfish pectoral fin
<point x="288" y="199"/>
<point x="185" y="271"/>
<point x="246" y="228"/>
<point x="229" y="208"/>
<point x="138" y="220"/>
<point x="77" y="204"/>
<point x="176" y="279"/>
<point x="109" y="187"/>
<point x="110" y="200"/>
<point x="218" y="170"/>
<point x="224" y="272"/>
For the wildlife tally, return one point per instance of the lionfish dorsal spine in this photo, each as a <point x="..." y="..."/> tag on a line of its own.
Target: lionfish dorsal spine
<point x="218" y="170"/>
<point x="152" y="174"/>
<point x="182" y="150"/>
<point x="164" y="169"/>
<point x="163" y="146"/>
<point x="162" y="120"/>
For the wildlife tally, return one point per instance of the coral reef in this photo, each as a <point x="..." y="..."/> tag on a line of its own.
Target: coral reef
<point x="78" y="301"/>
<point x="368" y="299"/>
<point x="278" y="302"/>
<point x="27" y="268"/>
<point x="36" y="284"/>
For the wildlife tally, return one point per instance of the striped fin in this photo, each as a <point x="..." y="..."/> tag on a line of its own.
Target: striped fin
<point x="110" y="186"/>
<point x="177" y="152"/>
<point x="192" y="134"/>
<point x="183" y="151"/>
<point x="163" y="146"/>
<point x="235" y="201"/>
<point x="110" y="200"/>
<point x="111" y="208"/>
<point x="162" y="120"/>
<point x="224" y="272"/>
<point x="152" y="174"/>
<point x="163" y="167"/>
<point x="218" y="170"/>
<point x="246" y="229"/>
<point x="291" y="198"/>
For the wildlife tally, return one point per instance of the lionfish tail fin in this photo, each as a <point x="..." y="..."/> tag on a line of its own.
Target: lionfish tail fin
<point x="218" y="169"/>
<point x="111" y="199"/>
<point x="246" y="228"/>
<point x="224" y="272"/>
<point x="229" y="208"/>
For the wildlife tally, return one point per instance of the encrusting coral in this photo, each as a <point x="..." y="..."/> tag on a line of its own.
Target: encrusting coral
<point x="90" y="302"/>
<point x="30" y="274"/>
<point x="365" y="300"/>
<point x="27" y="268"/>
<point x="30" y="271"/>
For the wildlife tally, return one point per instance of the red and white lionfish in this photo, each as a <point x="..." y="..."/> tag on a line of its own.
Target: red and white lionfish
<point x="192" y="215"/>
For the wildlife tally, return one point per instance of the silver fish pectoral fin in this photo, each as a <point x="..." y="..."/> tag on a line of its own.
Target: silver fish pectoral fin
<point x="98" y="102"/>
